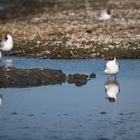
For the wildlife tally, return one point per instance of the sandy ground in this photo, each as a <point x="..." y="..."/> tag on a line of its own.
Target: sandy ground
<point x="70" y="29"/>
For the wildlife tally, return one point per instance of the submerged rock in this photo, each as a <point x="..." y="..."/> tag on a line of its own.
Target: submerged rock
<point x="12" y="77"/>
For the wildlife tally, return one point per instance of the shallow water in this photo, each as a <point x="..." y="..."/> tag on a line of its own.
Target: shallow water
<point x="129" y="68"/>
<point x="67" y="112"/>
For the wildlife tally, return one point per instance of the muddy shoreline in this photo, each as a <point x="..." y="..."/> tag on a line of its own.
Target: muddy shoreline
<point x="69" y="29"/>
<point x="12" y="77"/>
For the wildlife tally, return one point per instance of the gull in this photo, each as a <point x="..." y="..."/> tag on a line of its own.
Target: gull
<point x="6" y="44"/>
<point x="103" y="15"/>
<point x="112" y="89"/>
<point x="112" y="67"/>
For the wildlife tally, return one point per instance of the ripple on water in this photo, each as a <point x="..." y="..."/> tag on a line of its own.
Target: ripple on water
<point x="103" y="113"/>
<point x="31" y="115"/>
<point x="13" y="113"/>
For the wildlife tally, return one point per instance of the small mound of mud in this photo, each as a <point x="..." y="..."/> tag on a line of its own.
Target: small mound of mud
<point x="92" y="75"/>
<point x="77" y="79"/>
<point x="12" y="77"/>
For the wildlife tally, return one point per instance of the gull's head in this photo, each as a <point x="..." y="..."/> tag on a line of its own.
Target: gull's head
<point x="104" y="15"/>
<point x="7" y="43"/>
<point x="9" y="37"/>
<point x="109" y="58"/>
<point x="111" y="99"/>
<point x="107" y="12"/>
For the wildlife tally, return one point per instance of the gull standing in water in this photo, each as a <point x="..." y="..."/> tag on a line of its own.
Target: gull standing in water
<point x="112" y="89"/>
<point x="6" y="44"/>
<point x="112" y="68"/>
<point x="103" y="15"/>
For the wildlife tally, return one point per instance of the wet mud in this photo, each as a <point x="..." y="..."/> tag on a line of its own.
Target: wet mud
<point x="12" y="77"/>
<point x="77" y="79"/>
<point x="21" y="78"/>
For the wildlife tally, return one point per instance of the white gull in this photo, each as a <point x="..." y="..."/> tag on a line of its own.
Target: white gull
<point x="7" y="44"/>
<point x="112" y="67"/>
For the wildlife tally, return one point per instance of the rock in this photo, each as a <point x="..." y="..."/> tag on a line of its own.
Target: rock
<point x="21" y="78"/>
<point x="92" y="75"/>
<point x="12" y="77"/>
<point x="77" y="79"/>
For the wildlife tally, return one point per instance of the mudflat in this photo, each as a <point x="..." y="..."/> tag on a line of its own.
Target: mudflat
<point x="70" y="29"/>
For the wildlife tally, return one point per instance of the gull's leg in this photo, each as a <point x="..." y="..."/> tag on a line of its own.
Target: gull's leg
<point x="107" y="77"/>
<point x="115" y="77"/>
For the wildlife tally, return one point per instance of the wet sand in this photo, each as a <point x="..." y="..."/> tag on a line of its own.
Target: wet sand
<point x="69" y="29"/>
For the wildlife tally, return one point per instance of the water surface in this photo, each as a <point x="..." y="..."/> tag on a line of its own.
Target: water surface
<point x="129" y="68"/>
<point x="67" y="112"/>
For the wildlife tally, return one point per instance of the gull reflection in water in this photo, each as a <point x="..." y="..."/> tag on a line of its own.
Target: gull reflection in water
<point x="112" y="89"/>
<point x="7" y="62"/>
<point x="1" y="100"/>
